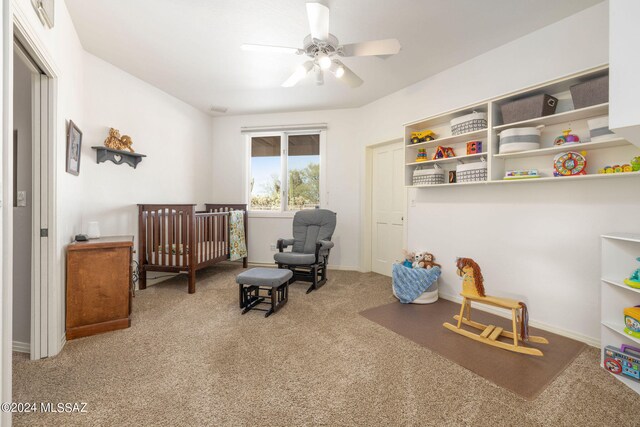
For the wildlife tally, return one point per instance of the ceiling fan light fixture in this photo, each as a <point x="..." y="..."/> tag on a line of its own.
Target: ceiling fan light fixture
<point x="301" y="72"/>
<point x="323" y="60"/>
<point x="337" y="69"/>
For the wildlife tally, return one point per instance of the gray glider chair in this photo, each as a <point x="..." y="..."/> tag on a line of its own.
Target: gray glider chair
<point x="310" y="246"/>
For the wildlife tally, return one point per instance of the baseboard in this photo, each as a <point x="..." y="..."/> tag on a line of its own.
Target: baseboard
<point x="540" y="325"/>
<point x="331" y="267"/>
<point x="21" y="347"/>
<point x="63" y="341"/>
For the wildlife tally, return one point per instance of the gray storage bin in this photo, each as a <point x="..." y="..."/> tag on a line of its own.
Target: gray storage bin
<point x="528" y="108"/>
<point x="592" y="92"/>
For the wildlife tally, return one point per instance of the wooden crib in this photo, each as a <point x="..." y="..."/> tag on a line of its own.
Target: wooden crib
<point x="177" y="239"/>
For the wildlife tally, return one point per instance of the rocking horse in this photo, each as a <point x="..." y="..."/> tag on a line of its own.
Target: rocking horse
<point x="473" y="290"/>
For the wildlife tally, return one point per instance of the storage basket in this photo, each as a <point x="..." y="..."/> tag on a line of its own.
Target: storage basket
<point x="592" y="92"/>
<point x="424" y="176"/>
<point x="469" y="123"/>
<point x="599" y="128"/>
<point x="520" y="139"/>
<point x="471" y="172"/>
<point x="528" y="108"/>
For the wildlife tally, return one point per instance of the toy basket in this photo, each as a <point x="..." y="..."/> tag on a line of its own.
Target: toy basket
<point x="424" y="176"/>
<point x="528" y="108"/>
<point x="520" y="139"/>
<point x="415" y="285"/>
<point x="591" y="92"/>
<point x="472" y="172"/>
<point x="469" y="123"/>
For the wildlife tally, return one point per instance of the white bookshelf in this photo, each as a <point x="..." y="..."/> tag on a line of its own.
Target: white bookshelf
<point x="612" y="151"/>
<point x="619" y="253"/>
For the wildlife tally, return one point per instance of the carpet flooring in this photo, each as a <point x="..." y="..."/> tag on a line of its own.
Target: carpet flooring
<point x="524" y="375"/>
<point x="194" y="360"/>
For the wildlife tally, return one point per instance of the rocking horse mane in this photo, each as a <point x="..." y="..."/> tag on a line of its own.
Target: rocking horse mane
<point x="477" y="273"/>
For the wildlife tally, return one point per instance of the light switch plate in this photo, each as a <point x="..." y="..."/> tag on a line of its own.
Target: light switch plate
<point x="22" y="198"/>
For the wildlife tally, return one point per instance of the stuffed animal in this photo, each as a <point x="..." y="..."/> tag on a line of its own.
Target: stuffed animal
<point x="408" y="258"/>
<point x="424" y="260"/>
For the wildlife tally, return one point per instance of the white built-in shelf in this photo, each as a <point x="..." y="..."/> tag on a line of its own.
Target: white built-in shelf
<point x="627" y="237"/>
<point x="592" y="145"/>
<point x="635" y="385"/>
<point x="465" y="137"/>
<point x="446" y="184"/>
<point x="564" y="117"/>
<point x="619" y="328"/>
<point x="574" y="177"/>
<point x="620" y="284"/>
<point x="449" y="159"/>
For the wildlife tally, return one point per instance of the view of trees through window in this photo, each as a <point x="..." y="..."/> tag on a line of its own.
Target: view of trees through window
<point x="303" y="172"/>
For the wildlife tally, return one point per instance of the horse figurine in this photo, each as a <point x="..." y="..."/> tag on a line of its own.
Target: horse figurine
<point x="473" y="290"/>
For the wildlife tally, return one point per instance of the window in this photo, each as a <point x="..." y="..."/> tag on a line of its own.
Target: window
<point x="284" y="171"/>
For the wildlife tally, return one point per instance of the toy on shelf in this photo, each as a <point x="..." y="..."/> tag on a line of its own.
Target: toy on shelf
<point x="624" y="361"/>
<point x="616" y="169"/>
<point x="443" y="153"/>
<point x="522" y="174"/>
<point x="632" y="321"/>
<point x="634" y="279"/>
<point x="473" y="290"/>
<point x="424" y="136"/>
<point x="422" y="155"/>
<point x="566" y="138"/>
<point x="474" y="147"/>
<point x="570" y="164"/>
<point x="452" y="177"/>
<point x="635" y="164"/>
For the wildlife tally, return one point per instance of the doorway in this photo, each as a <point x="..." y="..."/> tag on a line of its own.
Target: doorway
<point x="24" y="73"/>
<point x="388" y="205"/>
<point x="33" y="319"/>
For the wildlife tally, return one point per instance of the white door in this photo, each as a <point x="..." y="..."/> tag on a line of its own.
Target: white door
<point x="388" y="206"/>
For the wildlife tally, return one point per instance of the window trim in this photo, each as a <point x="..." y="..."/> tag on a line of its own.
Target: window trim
<point x="283" y="212"/>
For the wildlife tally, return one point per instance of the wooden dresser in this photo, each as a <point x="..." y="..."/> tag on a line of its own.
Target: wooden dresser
<point x="99" y="287"/>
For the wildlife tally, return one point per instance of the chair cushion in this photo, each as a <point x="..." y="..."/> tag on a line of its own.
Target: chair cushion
<point x="310" y="226"/>
<point x="294" y="258"/>
<point x="264" y="277"/>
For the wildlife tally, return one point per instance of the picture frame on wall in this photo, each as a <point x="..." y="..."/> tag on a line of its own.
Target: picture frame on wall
<point x="74" y="148"/>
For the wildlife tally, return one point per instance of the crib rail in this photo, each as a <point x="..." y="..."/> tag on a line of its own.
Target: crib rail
<point x="212" y="235"/>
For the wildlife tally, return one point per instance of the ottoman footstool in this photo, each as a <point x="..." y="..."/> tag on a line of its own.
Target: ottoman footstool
<point x="274" y="284"/>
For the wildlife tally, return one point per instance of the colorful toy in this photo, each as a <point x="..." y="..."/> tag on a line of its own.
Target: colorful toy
<point x="635" y="164"/>
<point x="522" y="174"/>
<point x="634" y="279"/>
<point x="570" y="164"/>
<point x="474" y="147"/>
<point x="473" y="290"/>
<point x="567" y="138"/>
<point x="616" y="169"/>
<point x="423" y="136"/>
<point x="422" y="155"/>
<point x="624" y="361"/>
<point x="632" y="321"/>
<point x="425" y="260"/>
<point x="443" y="153"/>
<point x="452" y="177"/>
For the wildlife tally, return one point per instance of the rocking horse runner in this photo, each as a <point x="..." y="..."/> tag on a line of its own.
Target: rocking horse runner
<point x="473" y="290"/>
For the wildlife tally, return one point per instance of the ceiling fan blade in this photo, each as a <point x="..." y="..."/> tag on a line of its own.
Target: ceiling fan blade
<point x="372" y="48"/>
<point x="299" y="74"/>
<point x="349" y="77"/>
<point x="267" y="48"/>
<point x="318" y="15"/>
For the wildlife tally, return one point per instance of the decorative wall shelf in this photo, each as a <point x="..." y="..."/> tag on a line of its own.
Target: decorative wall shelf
<point x="616" y="150"/>
<point x="117" y="156"/>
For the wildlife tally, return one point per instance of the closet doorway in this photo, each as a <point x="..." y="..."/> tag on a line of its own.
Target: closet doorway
<point x="33" y="320"/>
<point x="388" y="206"/>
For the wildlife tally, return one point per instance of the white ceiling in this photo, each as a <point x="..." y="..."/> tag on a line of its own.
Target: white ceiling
<point x="191" y="48"/>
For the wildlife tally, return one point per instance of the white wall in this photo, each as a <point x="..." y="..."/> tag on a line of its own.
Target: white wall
<point x="536" y="241"/>
<point x="341" y="193"/>
<point x="175" y="137"/>
<point x="22" y="215"/>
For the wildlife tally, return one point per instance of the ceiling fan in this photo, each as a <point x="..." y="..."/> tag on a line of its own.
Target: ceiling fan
<point x="323" y="49"/>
